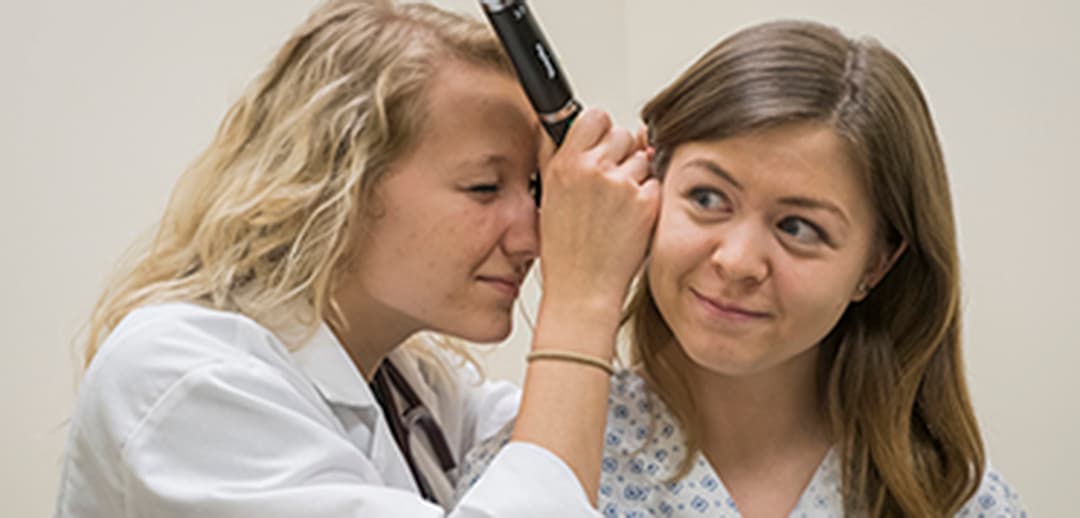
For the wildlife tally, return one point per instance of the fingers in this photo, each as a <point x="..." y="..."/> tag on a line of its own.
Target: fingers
<point x="642" y="136"/>
<point x="595" y="144"/>
<point x="588" y="130"/>
<point x="650" y="189"/>
<point x="594" y="130"/>
<point x="635" y="168"/>
<point x="617" y="145"/>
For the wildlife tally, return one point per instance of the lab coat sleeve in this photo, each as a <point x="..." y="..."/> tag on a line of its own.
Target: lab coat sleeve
<point x="519" y="472"/>
<point x="235" y="439"/>
<point x="526" y="480"/>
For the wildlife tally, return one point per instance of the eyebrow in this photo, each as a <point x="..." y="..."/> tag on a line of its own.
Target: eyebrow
<point x="794" y="201"/>
<point x="485" y="161"/>
<point x="715" y="168"/>
<point x="815" y="204"/>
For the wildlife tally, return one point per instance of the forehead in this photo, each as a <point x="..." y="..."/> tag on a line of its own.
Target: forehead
<point x="797" y="158"/>
<point x="475" y="122"/>
<point x="468" y="105"/>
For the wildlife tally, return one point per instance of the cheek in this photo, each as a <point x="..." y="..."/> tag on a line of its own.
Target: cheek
<point x="472" y="230"/>
<point x="813" y="296"/>
<point x="417" y="246"/>
<point x="457" y="240"/>
<point x="678" y="244"/>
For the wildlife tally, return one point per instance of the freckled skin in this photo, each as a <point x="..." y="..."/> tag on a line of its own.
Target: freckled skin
<point x="423" y="259"/>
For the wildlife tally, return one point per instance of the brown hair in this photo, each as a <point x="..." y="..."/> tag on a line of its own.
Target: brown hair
<point x="891" y="371"/>
<point x="261" y="220"/>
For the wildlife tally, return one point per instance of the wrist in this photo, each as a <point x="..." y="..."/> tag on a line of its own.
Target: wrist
<point x="572" y="357"/>
<point x="582" y="303"/>
<point x="583" y="326"/>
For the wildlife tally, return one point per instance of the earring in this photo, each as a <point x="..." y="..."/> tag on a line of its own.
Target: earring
<point x="863" y="288"/>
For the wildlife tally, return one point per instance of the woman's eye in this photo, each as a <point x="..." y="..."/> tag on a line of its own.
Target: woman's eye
<point x="484" y="188"/>
<point x="802" y="230"/>
<point x="708" y="199"/>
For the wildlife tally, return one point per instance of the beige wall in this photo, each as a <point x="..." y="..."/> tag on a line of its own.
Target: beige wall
<point x="108" y="100"/>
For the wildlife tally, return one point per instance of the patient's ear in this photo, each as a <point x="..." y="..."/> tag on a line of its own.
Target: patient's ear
<point x="879" y="266"/>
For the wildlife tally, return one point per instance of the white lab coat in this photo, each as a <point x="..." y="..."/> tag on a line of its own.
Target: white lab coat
<point x="188" y="411"/>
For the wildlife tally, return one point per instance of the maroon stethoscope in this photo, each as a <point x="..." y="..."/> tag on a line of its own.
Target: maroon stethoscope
<point x="387" y="380"/>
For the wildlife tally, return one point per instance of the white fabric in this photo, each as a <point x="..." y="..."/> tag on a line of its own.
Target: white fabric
<point x="636" y="464"/>
<point x="187" y="411"/>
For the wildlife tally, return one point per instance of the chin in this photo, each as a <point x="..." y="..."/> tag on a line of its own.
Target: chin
<point x="482" y="332"/>
<point x="721" y="359"/>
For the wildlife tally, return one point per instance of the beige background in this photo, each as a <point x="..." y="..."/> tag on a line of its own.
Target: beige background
<point x="105" y="102"/>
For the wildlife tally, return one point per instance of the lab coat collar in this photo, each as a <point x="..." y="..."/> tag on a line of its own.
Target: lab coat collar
<point x="324" y="360"/>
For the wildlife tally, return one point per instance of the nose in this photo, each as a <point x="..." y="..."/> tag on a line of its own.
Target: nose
<point x="521" y="239"/>
<point x="740" y="254"/>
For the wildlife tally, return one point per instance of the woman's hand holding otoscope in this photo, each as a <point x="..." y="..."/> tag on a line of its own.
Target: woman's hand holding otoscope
<point x="599" y="208"/>
<point x="600" y="172"/>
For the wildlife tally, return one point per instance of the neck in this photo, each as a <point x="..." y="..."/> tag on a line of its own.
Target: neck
<point x="372" y="330"/>
<point x="761" y="416"/>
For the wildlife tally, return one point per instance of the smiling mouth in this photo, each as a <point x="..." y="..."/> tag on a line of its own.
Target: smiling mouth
<point x="507" y="286"/>
<point x="727" y="310"/>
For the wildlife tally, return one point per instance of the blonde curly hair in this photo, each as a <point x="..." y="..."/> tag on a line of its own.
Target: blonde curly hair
<point x="260" y="223"/>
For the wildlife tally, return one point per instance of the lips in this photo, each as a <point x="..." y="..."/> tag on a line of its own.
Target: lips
<point x="729" y="310"/>
<point x="508" y="285"/>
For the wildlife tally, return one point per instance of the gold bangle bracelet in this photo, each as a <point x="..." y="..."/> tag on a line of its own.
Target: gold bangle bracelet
<point x="583" y="359"/>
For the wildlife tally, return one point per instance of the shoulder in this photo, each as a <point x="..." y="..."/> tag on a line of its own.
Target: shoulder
<point x="643" y="449"/>
<point x="627" y="386"/>
<point x="176" y="367"/>
<point x="642" y="438"/>
<point x="181" y="335"/>
<point x="629" y="399"/>
<point x="994" y="497"/>
<point x="634" y="413"/>
<point x="156" y="347"/>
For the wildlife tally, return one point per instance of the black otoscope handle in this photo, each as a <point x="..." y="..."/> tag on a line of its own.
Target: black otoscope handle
<point x="536" y="65"/>
<point x="537" y="68"/>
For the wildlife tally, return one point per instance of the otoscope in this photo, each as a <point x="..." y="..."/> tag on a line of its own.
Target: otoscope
<point x="536" y="66"/>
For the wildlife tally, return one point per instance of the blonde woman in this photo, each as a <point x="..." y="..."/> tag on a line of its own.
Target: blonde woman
<point x="796" y="335"/>
<point x="373" y="183"/>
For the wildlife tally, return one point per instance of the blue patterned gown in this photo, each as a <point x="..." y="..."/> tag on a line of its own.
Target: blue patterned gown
<point x="636" y="465"/>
